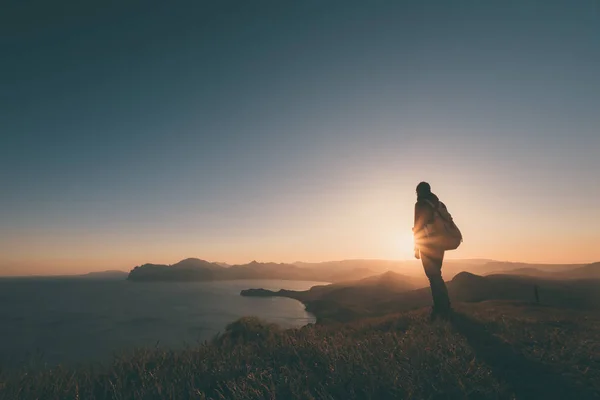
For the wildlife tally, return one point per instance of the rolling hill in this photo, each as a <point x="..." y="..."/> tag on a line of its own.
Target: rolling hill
<point x="392" y="292"/>
<point x="576" y="271"/>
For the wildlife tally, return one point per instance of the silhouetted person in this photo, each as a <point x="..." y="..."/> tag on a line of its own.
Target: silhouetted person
<point x="536" y="294"/>
<point x="431" y="242"/>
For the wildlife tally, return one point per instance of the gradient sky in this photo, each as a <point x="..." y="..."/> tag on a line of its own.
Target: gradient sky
<point x="295" y="130"/>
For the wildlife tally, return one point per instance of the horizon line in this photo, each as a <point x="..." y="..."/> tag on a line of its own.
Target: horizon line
<point x="485" y="260"/>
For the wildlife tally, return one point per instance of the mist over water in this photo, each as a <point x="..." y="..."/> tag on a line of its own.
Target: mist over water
<point x="76" y="320"/>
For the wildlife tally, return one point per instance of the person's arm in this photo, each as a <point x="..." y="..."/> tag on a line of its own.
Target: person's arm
<point x="423" y="213"/>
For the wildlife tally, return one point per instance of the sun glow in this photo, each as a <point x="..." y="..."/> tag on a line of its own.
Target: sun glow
<point x="404" y="246"/>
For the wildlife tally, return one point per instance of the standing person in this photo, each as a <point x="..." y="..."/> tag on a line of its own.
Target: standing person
<point x="434" y="232"/>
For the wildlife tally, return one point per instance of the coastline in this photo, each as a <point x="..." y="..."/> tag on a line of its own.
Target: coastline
<point x="325" y="311"/>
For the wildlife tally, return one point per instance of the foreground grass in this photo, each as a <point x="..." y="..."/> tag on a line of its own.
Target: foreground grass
<point x="397" y="356"/>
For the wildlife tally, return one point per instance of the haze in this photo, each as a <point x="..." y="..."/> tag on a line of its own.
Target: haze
<point x="286" y="131"/>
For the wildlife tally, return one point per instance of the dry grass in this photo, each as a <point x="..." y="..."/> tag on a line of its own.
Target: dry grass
<point x="397" y="356"/>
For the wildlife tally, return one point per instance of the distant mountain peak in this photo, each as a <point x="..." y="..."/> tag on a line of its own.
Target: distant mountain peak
<point x="192" y="259"/>
<point x="196" y="263"/>
<point x="466" y="277"/>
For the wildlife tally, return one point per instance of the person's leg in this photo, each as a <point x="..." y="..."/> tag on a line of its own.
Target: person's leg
<point x="432" y="263"/>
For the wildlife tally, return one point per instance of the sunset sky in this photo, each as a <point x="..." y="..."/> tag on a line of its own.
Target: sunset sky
<point x="295" y="130"/>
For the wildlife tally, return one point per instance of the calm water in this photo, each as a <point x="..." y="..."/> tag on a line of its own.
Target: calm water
<point x="75" y="320"/>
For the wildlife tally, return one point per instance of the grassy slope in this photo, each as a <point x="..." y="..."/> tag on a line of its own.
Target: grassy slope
<point x="490" y="350"/>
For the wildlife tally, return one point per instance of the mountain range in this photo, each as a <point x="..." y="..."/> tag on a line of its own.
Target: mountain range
<point x="194" y="269"/>
<point x="561" y="272"/>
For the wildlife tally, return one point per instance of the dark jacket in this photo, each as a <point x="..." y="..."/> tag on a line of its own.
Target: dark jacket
<point x="423" y="216"/>
<point x="424" y="212"/>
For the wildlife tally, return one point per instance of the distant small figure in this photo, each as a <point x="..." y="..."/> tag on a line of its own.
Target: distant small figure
<point x="434" y="232"/>
<point x="536" y="294"/>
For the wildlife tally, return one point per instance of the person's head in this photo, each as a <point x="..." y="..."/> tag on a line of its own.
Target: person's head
<point x="423" y="189"/>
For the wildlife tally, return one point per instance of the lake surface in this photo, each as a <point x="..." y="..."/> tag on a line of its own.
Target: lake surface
<point x="80" y="320"/>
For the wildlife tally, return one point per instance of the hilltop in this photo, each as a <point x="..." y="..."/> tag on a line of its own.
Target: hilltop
<point x="490" y="350"/>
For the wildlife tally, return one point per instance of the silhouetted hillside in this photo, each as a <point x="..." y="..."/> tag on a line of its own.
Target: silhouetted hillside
<point x="346" y="300"/>
<point x="574" y="271"/>
<point x="256" y="270"/>
<point x="528" y="271"/>
<point x="343" y="297"/>
<point x="591" y="271"/>
<point x="391" y="292"/>
<point x="186" y="272"/>
<point x="376" y="266"/>
<point x="193" y="269"/>
<point x="196" y="263"/>
<point x="501" y="266"/>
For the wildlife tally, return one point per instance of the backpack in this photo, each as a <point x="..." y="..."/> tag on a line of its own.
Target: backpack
<point x="442" y="230"/>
